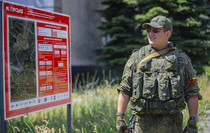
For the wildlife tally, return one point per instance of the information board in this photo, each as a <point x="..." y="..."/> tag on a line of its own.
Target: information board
<point x="36" y="66"/>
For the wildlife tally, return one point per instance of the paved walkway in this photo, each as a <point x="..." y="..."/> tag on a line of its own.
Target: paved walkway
<point x="205" y="121"/>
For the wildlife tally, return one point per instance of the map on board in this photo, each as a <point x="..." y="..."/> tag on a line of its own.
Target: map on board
<point x="22" y="59"/>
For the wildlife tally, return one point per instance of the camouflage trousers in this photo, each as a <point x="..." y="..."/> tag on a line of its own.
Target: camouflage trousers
<point x="170" y="123"/>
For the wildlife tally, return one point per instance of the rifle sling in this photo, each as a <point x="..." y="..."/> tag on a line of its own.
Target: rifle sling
<point x="156" y="54"/>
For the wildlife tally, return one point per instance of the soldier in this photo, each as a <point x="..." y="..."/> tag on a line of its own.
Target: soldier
<point x="158" y="80"/>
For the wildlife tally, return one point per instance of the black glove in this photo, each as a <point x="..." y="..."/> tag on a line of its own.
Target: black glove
<point x="121" y="125"/>
<point x="191" y="126"/>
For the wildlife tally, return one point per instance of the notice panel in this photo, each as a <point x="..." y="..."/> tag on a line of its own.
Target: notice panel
<point x="52" y="58"/>
<point x="37" y="59"/>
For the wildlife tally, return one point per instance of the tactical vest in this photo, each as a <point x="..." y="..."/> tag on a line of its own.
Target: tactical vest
<point x="158" y="86"/>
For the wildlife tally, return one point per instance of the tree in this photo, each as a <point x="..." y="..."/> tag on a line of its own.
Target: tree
<point x="124" y="18"/>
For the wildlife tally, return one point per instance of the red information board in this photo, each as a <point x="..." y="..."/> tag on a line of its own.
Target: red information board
<point x="37" y="72"/>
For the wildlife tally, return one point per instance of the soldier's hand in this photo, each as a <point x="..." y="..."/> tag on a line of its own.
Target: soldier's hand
<point x="121" y="125"/>
<point x="191" y="126"/>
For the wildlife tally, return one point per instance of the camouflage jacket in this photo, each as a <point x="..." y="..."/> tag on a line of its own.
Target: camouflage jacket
<point x="184" y="69"/>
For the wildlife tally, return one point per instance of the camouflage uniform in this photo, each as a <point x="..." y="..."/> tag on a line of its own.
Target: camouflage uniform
<point x="158" y="92"/>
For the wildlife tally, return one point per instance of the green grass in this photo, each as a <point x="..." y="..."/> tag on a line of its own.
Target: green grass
<point x="93" y="111"/>
<point x="48" y="120"/>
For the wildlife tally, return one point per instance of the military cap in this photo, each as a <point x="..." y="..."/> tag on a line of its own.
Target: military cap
<point x="159" y="22"/>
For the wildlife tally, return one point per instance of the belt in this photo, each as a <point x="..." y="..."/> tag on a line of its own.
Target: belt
<point x="153" y="105"/>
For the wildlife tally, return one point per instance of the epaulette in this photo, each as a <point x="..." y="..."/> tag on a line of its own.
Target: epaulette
<point x="135" y="53"/>
<point x="135" y="50"/>
<point x="184" y="55"/>
<point x="142" y="52"/>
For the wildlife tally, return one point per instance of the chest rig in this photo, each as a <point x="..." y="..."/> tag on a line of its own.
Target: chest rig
<point x="157" y="84"/>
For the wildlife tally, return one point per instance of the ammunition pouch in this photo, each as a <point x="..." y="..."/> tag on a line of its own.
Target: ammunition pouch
<point x="157" y="86"/>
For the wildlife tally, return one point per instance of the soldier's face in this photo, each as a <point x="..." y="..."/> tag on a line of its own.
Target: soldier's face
<point x="157" y="37"/>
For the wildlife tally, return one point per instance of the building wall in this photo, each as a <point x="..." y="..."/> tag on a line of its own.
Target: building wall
<point x="84" y="33"/>
<point x="42" y="4"/>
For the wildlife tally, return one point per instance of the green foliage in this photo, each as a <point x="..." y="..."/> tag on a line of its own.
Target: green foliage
<point x="93" y="111"/>
<point x="48" y="121"/>
<point x="207" y="70"/>
<point x="90" y="82"/>
<point x="123" y="20"/>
